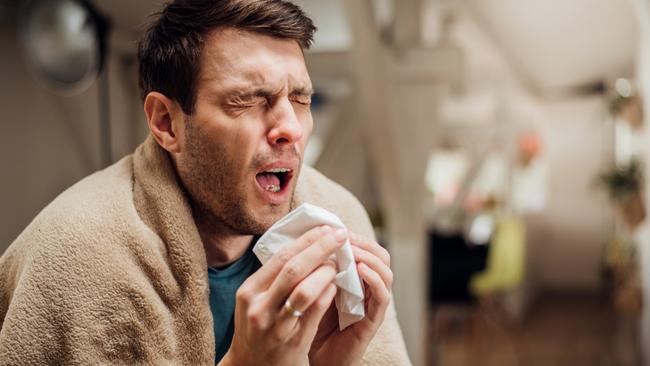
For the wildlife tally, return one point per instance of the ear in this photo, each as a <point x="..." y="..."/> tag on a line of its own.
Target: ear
<point x="166" y="121"/>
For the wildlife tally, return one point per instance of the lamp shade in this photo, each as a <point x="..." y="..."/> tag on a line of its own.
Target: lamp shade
<point x="64" y="43"/>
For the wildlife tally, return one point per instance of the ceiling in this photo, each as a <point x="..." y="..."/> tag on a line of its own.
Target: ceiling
<point x="550" y="45"/>
<point x="558" y="44"/>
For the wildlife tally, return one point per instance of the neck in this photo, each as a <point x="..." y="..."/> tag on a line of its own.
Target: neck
<point x="222" y="245"/>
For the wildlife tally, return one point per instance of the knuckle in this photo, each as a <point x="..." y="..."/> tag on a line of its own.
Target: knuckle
<point x="243" y="295"/>
<point x="334" y="238"/>
<point x="330" y="264"/>
<point x="386" y="256"/>
<point x="301" y="296"/>
<point x="321" y="248"/>
<point x="283" y="257"/>
<point x="328" y="244"/>
<point x="390" y="279"/>
<point x="314" y="234"/>
<point x="384" y="296"/>
<point x="256" y="320"/>
<point x="322" y="303"/>
<point x="292" y="271"/>
<point x="330" y="275"/>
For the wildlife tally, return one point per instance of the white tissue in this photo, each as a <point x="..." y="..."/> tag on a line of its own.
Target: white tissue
<point x="349" y="298"/>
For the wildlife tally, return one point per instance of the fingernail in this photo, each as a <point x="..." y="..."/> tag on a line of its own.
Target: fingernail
<point x="340" y="234"/>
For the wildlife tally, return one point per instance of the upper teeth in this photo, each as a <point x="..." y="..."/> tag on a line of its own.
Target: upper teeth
<point x="279" y="170"/>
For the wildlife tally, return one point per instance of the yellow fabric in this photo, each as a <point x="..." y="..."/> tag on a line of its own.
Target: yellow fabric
<point x="506" y="258"/>
<point x="113" y="272"/>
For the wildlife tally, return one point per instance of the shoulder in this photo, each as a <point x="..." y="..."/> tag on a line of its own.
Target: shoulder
<point x="76" y="250"/>
<point x="80" y="219"/>
<point x="313" y="187"/>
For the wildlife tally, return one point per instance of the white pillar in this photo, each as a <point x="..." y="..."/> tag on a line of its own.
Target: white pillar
<point x="397" y="89"/>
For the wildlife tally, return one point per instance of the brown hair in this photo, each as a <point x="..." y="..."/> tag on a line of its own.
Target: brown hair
<point x="169" y="52"/>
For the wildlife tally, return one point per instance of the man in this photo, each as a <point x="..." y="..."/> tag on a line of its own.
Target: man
<point x="150" y="262"/>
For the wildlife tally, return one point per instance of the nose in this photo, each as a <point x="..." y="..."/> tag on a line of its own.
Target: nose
<point x="287" y="128"/>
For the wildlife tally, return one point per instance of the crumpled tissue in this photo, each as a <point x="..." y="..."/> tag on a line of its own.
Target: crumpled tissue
<point x="349" y="297"/>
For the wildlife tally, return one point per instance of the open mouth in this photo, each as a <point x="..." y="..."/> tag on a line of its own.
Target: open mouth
<point x="274" y="180"/>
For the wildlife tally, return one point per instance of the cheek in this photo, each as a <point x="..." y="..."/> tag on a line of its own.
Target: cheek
<point x="238" y="154"/>
<point x="308" y="127"/>
<point x="233" y="141"/>
<point x="219" y="153"/>
<point x="243" y="146"/>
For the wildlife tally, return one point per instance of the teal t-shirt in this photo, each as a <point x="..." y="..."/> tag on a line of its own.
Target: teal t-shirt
<point x="224" y="283"/>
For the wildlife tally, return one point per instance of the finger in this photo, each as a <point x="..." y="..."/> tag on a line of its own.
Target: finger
<point x="326" y="325"/>
<point x="312" y="317"/>
<point x="370" y="246"/>
<point x="303" y="264"/>
<point x="309" y="289"/>
<point x="375" y="264"/>
<point x="265" y="275"/>
<point x="303" y="296"/>
<point x="379" y="294"/>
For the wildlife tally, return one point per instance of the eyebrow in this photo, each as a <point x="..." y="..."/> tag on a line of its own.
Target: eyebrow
<point x="303" y="90"/>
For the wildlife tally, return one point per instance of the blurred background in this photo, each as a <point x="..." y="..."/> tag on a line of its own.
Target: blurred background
<point x="499" y="147"/>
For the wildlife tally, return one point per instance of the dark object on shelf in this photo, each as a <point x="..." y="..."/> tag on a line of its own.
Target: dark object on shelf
<point x="453" y="264"/>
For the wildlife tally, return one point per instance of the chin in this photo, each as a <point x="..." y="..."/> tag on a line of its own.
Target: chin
<point x="263" y="214"/>
<point x="272" y="214"/>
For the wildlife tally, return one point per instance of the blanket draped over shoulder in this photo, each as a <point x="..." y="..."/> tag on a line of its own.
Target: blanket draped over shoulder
<point x="113" y="271"/>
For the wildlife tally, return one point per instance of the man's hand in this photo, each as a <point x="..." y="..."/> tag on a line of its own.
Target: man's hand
<point x="266" y="333"/>
<point x="333" y="347"/>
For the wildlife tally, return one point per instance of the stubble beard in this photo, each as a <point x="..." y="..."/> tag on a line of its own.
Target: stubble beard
<point x="215" y="190"/>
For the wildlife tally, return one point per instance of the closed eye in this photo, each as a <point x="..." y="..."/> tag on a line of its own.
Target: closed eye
<point x="247" y="102"/>
<point x="301" y="97"/>
<point x="302" y="100"/>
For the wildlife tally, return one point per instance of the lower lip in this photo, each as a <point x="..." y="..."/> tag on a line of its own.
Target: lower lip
<point x="275" y="198"/>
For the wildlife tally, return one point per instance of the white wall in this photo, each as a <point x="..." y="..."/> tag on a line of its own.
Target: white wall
<point x="567" y="237"/>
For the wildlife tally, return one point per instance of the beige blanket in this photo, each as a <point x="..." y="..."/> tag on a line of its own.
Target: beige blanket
<point x="113" y="272"/>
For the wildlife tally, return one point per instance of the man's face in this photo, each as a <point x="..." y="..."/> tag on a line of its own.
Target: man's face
<point x="244" y="144"/>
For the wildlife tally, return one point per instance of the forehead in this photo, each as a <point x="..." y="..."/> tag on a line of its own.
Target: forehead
<point x="234" y="58"/>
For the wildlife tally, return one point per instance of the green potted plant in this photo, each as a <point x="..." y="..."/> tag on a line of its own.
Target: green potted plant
<point x="623" y="184"/>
